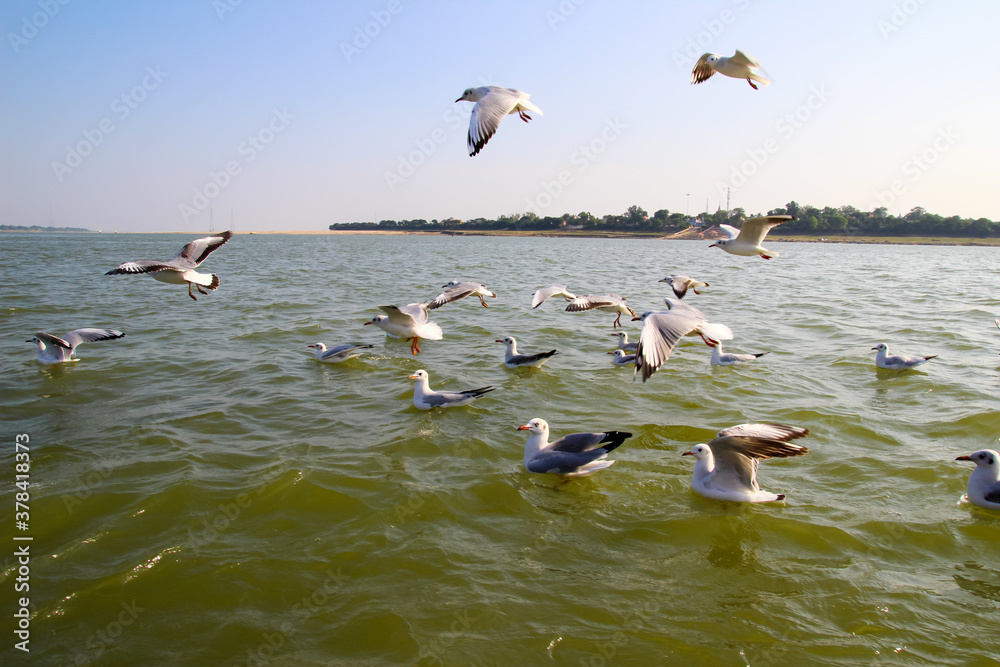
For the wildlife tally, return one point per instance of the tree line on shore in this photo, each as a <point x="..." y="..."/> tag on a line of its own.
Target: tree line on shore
<point x="809" y="220"/>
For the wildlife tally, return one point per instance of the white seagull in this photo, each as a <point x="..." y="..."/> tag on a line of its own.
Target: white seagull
<point x="338" y="353"/>
<point x="181" y="269"/>
<point x="409" y="322"/>
<point x="984" y="482"/>
<point x="622" y="358"/>
<point x="611" y="303"/>
<point x="895" y="362"/>
<point x="726" y="467"/>
<point x="541" y="295"/>
<point x="455" y="290"/>
<point x="681" y="284"/>
<point x="738" y="66"/>
<point x="425" y="398"/>
<point x="492" y="104"/>
<point x="720" y="358"/>
<point x="514" y="360"/>
<point x="747" y="240"/>
<point x="662" y="329"/>
<point x="573" y="455"/>
<point x="623" y="343"/>
<point x="54" y="350"/>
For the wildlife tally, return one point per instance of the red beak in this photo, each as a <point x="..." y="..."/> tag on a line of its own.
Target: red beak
<point x="524" y="428"/>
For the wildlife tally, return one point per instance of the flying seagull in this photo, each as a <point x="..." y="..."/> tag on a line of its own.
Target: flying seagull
<point x="738" y="66"/>
<point x="425" y="398"/>
<point x="541" y="295"/>
<point x="573" y="455"/>
<point x="53" y="349"/>
<point x="747" y="240"/>
<point x="984" y="482"/>
<point x="681" y="284"/>
<point x="895" y="362"/>
<point x="409" y="322"/>
<point x="662" y="329"/>
<point x="611" y="303"/>
<point x="726" y="467"/>
<point x="181" y="269"/>
<point x="338" y="353"/>
<point x="455" y="290"/>
<point x="492" y="104"/>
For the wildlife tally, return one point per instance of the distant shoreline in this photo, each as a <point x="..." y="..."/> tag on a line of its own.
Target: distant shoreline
<point x="861" y="239"/>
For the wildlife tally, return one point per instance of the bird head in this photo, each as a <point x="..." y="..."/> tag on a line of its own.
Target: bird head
<point x="700" y="452"/>
<point x="419" y="375"/>
<point x="984" y="458"/>
<point x="507" y="341"/>
<point x="377" y="319"/>
<point x="471" y="95"/>
<point x="536" y="426"/>
<point x="880" y="347"/>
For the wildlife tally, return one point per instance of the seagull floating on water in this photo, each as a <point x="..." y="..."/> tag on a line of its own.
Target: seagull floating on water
<point x="895" y="362"/>
<point x="456" y="290"/>
<point x="726" y="467"/>
<point x="514" y="360"/>
<point x="622" y="358"/>
<point x="747" y="240"/>
<point x="541" y="295"/>
<point x="492" y="104"/>
<point x="181" y="269"/>
<point x="425" y="398"/>
<point x="984" y="482"/>
<point x="681" y="284"/>
<point x="623" y="343"/>
<point x="720" y="358"/>
<point x="662" y="329"/>
<point x="409" y="322"/>
<point x="611" y="303"/>
<point x="338" y="353"/>
<point x="54" y="350"/>
<point x="738" y="66"/>
<point x="573" y="455"/>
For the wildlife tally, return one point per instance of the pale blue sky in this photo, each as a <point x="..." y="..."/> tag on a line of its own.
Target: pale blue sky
<point x="317" y="125"/>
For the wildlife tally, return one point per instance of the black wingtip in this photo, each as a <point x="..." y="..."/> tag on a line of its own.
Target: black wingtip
<point x="614" y="439"/>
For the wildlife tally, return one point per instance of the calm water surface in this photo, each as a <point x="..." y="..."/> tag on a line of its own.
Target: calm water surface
<point x="203" y="492"/>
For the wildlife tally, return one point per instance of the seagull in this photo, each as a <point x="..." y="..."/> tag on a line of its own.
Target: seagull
<point x="609" y="302"/>
<point x="895" y="362"/>
<point x="425" y="398"/>
<point x="514" y="360"/>
<point x="338" y="353"/>
<point x="662" y="329"/>
<point x="720" y="358"/>
<point x="409" y="322"/>
<point x="726" y="467"/>
<point x="548" y="292"/>
<point x="456" y="290"/>
<point x="622" y="358"/>
<point x="181" y="269"/>
<point x="623" y="343"/>
<point x="681" y="284"/>
<point x="492" y="104"/>
<point x="573" y="455"/>
<point x="53" y="349"/>
<point x="984" y="482"/>
<point x="747" y="240"/>
<point x="739" y="66"/>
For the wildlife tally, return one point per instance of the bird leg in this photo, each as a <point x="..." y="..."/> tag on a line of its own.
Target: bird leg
<point x="200" y="289"/>
<point x="708" y="341"/>
<point x="483" y="301"/>
<point x="765" y="256"/>
<point x="525" y="117"/>
<point x="189" y="292"/>
<point x="618" y="320"/>
<point x="414" y="350"/>
<point x="752" y="84"/>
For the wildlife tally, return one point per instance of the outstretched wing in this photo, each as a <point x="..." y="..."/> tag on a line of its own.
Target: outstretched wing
<point x="486" y="116"/>
<point x="140" y="266"/>
<point x="768" y="431"/>
<point x="743" y="59"/>
<point x="197" y="251"/>
<point x="660" y="333"/>
<point x="755" y="229"/>
<point x="702" y="70"/>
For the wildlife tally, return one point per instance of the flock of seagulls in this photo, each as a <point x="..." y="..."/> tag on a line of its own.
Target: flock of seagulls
<point x="725" y="467"/>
